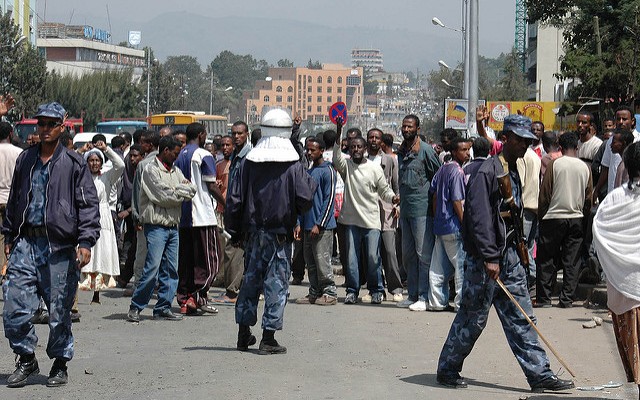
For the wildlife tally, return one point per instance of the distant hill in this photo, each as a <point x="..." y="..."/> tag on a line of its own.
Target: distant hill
<point x="179" y="33"/>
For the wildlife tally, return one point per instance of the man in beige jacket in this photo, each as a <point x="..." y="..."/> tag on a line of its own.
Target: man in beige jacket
<point x="163" y="189"/>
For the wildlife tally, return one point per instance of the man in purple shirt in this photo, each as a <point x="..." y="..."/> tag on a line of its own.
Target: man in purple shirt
<point x="448" y="192"/>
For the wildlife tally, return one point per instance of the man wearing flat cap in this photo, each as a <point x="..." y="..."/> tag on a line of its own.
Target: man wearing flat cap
<point x="52" y="221"/>
<point x="491" y="254"/>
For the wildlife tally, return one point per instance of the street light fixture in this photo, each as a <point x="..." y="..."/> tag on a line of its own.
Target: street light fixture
<point x="441" y="24"/>
<point x="448" y="84"/>
<point x="465" y="50"/>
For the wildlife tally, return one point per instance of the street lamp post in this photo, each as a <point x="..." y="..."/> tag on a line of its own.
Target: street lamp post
<point x="148" y="81"/>
<point x="465" y="44"/>
<point x="473" y="67"/>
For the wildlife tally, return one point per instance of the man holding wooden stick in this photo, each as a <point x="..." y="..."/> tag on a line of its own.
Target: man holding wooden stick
<point x="491" y="246"/>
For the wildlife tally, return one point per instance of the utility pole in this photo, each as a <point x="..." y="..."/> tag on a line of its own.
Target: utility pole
<point x="473" y="68"/>
<point x="148" y="80"/>
<point x="211" y="96"/>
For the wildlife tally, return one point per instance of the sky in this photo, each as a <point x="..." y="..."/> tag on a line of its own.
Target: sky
<point x="378" y="16"/>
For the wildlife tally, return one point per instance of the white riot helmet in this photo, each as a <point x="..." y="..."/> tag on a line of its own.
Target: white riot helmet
<point x="275" y="144"/>
<point x="276" y="123"/>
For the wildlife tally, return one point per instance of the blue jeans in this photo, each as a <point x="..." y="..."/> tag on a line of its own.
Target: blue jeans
<point x="354" y="237"/>
<point x="417" y="246"/>
<point x="161" y="265"/>
<point x="34" y="270"/>
<point x="267" y="269"/>
<point x="448" y="259"/>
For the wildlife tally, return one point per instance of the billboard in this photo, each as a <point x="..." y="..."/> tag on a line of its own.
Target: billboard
<point x="455" y="113"/>
<point x="537" y="111"/>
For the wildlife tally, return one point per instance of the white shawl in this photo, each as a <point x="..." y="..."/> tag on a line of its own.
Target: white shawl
<point x="616" y="236"/>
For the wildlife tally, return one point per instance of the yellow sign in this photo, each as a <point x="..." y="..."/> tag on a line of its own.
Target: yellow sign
<point x="537" y="111"/>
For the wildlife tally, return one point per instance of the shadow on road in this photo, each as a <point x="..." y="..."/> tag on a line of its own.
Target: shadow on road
<point x="430" y="380"/>
<point x="217" y="348"/>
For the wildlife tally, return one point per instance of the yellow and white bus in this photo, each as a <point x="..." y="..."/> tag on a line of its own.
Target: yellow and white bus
<point x="178" y="120"/>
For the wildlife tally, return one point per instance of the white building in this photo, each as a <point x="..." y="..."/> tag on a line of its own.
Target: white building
<point x="371" y="60"/>
<point x="23" y="14"/>
<point x="544" y="50"/>
<point x="79" y="50"/>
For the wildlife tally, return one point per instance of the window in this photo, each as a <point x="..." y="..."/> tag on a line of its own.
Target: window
<point x="328" y="108"/>
<point x="319" y="99"/>
<point x="328" y="99"/>
<point x="289" y="99"/>
<point x="339" y="98"/>
<point x="339" y="79"/>
<point x="319" y="79"/>
<point x="319" y="89"/>
<point x="278" y="99"/>
<point x="289" y="107"/>
<point x="279" y="89"/>
<point x="308" y="108"/>
<point x="290" y="89"/>
<point x="353" y="80"/>
<point x="309" y="99"/>
<point x="310" y="89"/>
<point x="329" y="89"/>
<point x="319" y="109"/>
<point x="309" y="79"/>
<point x="339" y="89"/>
<point x="266" y="99"/>
<point x="254" y="108"/>
<point x="329" y="79"/>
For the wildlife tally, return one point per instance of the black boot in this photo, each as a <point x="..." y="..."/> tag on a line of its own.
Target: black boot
<point x="245" y="338"/>
<point x="58" y="375"/>
<point x="269" y="345"/>
<point x="25" y="366"/>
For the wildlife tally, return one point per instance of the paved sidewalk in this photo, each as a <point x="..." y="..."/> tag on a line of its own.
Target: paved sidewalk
<point x="360" y="351"/>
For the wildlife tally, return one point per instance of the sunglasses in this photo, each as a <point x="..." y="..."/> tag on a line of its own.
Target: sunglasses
<point x="49" y="124"/>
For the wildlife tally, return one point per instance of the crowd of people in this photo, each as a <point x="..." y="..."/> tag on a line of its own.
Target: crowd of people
<point x="443" y="223"/>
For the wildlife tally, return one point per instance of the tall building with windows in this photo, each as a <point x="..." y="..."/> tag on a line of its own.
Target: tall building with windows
<point x="83" y="49"/>
<point x="369" y="59"/>
<point x="24" y="15"/>
<point x="306" y="92"/>
<point x="544" y="51"/>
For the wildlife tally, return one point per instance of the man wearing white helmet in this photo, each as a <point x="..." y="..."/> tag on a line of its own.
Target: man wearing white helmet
<point x="262" y="211"/>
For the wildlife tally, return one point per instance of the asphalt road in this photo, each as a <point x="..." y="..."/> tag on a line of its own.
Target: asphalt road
<point x="359" y="351"/>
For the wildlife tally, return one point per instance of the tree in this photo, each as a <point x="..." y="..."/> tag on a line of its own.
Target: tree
<point x="22" y="70"/>
<point x="604" y="65"/>
<point x="314" y="64"/>
<point x="193" y="85"/>
<point x="239" y="71"/>
<point x="285" y="63"/>
<point x="513" y="84"/>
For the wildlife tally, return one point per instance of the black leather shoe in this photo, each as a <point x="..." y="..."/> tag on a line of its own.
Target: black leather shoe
<point x="452" y="382"/>
<point x="57" y="377"/>
<point x="244" y="341"/>
<point x="22" y="372"/>
<point x="552" y="383"/>
<point x="167" y="315"/>
<point x="271" y="347"/>
<point x="133" y="315"/>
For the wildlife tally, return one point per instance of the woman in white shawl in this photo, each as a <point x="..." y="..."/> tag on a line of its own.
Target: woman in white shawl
<point x="104" y="264"/>
<point x="616" y="233"/>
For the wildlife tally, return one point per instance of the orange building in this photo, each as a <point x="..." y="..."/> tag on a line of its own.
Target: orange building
<point x="306" y="92"/>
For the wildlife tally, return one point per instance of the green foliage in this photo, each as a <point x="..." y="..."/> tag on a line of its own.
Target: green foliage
<point x="22" y="70"/>
<point x="239" y="71"/>
<point x="314" y="64"/>
<point x="106" y="94"/>
<point x="512" y="85"/>
<point x="612" y="75"/>
<point x="285" y="63"/>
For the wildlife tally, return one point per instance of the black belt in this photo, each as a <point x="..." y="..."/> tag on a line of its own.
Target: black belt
<point x="34" y="231"/>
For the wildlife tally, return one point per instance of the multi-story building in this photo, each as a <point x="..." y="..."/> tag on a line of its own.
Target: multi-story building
<point x="308" y="93"/>
<point x="23" y="14"/>
<point x="544" y="50"/>
<point x="82" y="49"/>
<point x="369" y="59"/>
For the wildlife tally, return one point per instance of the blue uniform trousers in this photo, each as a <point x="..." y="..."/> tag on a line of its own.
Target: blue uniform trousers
<point x="34" y="271"/>
<point x="267" y="268"/>
<point x="478" y="294"/>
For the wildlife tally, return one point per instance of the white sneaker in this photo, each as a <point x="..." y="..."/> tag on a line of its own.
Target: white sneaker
<point x="398" y="297"/>
<point x="404" y="303"/>
<point x="366" y="298"/>
<point x="419" y="305"/>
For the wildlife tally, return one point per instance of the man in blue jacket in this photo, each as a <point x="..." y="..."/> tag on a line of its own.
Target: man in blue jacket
<point x="263" y="208"/>
<point x="317" y="226"/>
<point x="491" y="248"/>
<point x="52" y="222"/>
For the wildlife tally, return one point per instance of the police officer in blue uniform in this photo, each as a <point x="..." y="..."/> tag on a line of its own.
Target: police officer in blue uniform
<point x="492" y="255"/>
<point x="52" y="221"/>
<point x="262" y="209"/>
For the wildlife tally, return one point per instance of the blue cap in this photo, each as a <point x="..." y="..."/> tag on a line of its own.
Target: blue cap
<point x="51" y="110"/>
<point x="520" y="125"/>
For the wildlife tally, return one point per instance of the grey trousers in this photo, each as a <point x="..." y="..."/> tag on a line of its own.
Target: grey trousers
<point x="233" y="269"/>
<point x="317" y="256"/>
<point x="390" y="262"/>
<point x="141" y="256"/>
